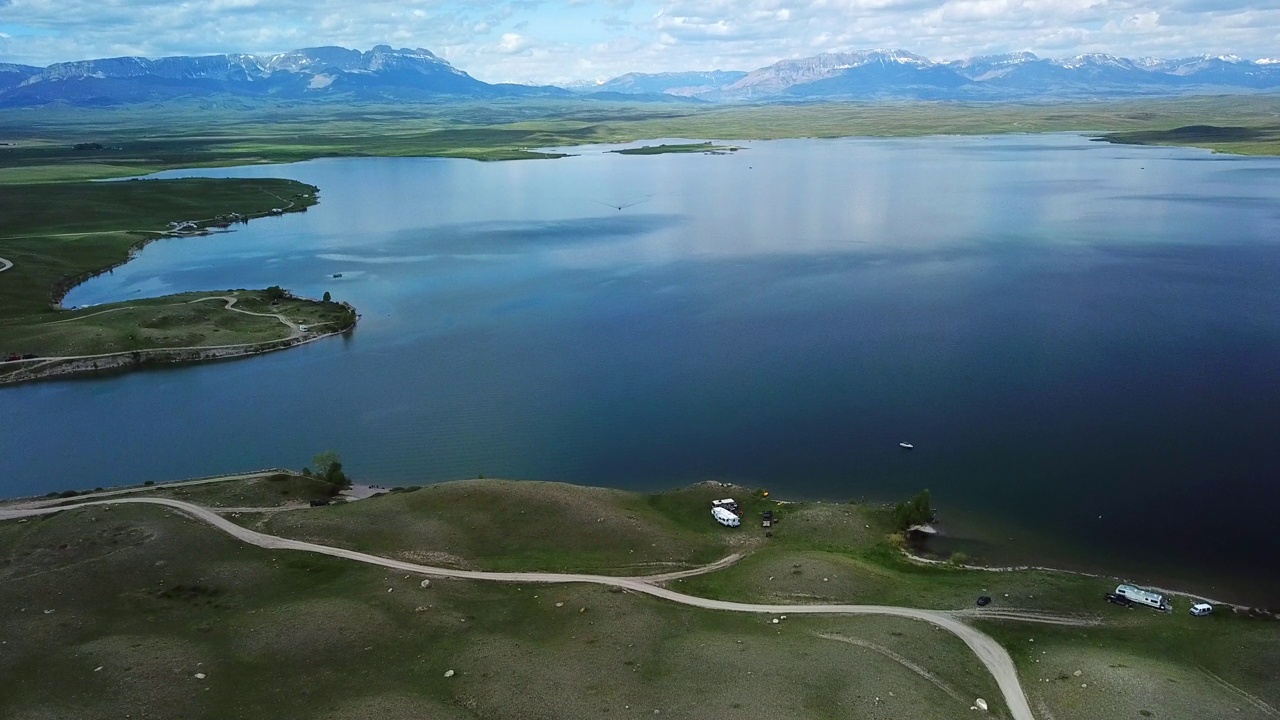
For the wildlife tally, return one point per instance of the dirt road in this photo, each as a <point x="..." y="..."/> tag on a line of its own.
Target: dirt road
<point x="989" y="652"/>
<point x="5" y="264"/>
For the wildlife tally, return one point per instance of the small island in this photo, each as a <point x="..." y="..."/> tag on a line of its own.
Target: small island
<point x="47" y="249"/>
<point x="707" y="148"/>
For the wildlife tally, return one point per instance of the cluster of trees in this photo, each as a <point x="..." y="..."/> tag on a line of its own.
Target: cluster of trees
<point x="329" y="469"/>
<point x="916" y="511"/>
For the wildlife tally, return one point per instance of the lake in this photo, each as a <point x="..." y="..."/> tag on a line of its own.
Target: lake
<point x="1078" y="338"/>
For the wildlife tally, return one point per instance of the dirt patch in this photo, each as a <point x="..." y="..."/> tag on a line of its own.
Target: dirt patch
<point x="396" y="706"/>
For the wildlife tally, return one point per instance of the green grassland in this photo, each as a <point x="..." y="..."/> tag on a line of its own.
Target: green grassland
<point x="273" y="490"/>
<point x="153" y="598"/>
<point x="826" y="552"/>
<point x="491" y="524"/>
<point x="139" y="140"/>
<point x="185" y="320"/>
<point x="57" y="235"/>
<point x="112" y="613"/>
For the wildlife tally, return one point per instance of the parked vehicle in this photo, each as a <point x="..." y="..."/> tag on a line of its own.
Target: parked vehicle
<point x="983" y="600"/>
<point x="1201" y="609"/>
<point x="724" y="517"/>
<point x="728" y="504"/>
<point x="1118" y="600"/>
<point x="1144" y="597"/>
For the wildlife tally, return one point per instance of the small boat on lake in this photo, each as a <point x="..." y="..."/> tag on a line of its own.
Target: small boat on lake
<point x="906" y="446"/>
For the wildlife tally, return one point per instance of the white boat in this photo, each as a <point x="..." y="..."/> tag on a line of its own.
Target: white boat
<point x="906" y="446"/>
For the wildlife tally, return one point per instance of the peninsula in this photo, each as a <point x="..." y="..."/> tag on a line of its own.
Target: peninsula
<point x="56" y="235"/>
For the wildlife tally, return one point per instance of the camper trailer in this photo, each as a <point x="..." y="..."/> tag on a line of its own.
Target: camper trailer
<point x="724" y="517"/>
<point x="1144" y="597"/>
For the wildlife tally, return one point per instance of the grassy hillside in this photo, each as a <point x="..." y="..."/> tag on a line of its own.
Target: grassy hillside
<point x="113" y="613"/>
<point x="493" y="524"/>
<point x="152" y="599"/>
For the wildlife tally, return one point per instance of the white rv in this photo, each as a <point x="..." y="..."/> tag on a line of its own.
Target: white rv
<point x="724" y="517"/>
<point x="1144" y="597"/>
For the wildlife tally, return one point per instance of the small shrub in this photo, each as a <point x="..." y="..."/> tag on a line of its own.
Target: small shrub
<point x="958" y="559"/>
<point x="68" y="494"/>
<point x="149" y="483"/>
<point x="897" y="540"/>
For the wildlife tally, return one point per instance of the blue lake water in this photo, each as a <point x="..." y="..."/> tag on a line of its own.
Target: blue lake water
<point x="1079" y="338"/>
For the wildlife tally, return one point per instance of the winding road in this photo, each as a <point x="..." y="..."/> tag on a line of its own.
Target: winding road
<point x="989" y="652"/>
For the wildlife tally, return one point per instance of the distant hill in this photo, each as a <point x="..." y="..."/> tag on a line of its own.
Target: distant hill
<point x="323" y="73"/>
<point x="680" y="84"/>
<point x="384" y="74"/>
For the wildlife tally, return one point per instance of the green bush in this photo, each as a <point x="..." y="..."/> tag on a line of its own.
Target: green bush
<point x="916" y="511"/>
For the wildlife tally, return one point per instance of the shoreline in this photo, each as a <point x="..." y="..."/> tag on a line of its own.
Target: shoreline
<point x="125" y="361"/>
<point x="933" y="562"/>
<point x="47" y="500"/>
<point x="64" y="367"/>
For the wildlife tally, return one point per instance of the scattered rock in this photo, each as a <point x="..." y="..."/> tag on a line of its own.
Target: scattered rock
<point x="425" y="583"/>
<point x="448" y="673"/>
<point x="1084" y="685"/>
<point x="559" y="604"/>
<point x="1077" y="673"/>
<point x="98" y="669"/>
<point x="200" y="676"/>
<point x="824" y="580"/>
<point x="980" y="704"/>
<point x="775" y="621"/>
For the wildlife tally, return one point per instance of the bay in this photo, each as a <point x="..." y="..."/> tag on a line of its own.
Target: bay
<point x="1080" y="339"/>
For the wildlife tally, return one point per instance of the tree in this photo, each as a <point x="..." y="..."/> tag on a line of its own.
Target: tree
<point x="916" y="511"/>
<point x="327" y="297"/>
<point x="275" y="292"/>
<point x="329" y="469"/>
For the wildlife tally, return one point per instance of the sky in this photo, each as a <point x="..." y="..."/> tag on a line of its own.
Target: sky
<point x="586" y="40"/>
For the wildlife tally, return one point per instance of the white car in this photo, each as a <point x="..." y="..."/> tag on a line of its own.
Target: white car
<point x="1201" y="609"/>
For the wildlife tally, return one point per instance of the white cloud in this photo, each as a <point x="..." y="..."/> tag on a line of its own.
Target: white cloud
<point x="513" y="43"/>
<point x="572" y="39"/>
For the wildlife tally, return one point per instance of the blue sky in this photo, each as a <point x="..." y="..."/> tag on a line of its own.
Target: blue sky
<point x="533" y="41"/>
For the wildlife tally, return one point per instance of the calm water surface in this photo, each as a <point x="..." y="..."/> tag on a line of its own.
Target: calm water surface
<point x="1079" y="338"/>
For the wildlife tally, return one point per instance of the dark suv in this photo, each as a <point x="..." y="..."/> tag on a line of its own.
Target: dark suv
<point x="1118" y="599"/>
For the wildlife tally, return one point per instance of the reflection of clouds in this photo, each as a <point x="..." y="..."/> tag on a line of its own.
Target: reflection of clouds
<point x="377" y="259"/>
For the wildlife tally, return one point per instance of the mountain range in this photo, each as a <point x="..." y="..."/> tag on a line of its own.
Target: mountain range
<point x="417" y="75"/>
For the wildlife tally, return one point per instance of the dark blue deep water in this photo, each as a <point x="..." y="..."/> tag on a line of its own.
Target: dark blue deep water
<point x="1079" y="338"/>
